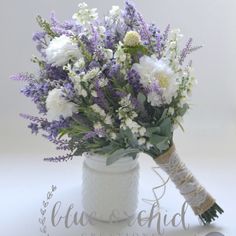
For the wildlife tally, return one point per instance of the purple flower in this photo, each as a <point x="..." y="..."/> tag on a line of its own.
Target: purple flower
<point x="185" y="51"/>
<point x="109" y="40"/>
<point x="100" y="99"/>
<point x="34" y="128"/>
<point x="61" y="29"/>
<point x="22" y="77"/>
<point x="93" y="134"/>
<point x="64" y="158"/>
<point x="165" y="37"/>
<point x="53" y="128"/>
<point x="130" y="16"/>
<point x="39" y="36"/>
<point x="134" y="80"/>
<point x="37" y="92"/>
<point x="69" y="91"/>
<point x="55" y="73"/>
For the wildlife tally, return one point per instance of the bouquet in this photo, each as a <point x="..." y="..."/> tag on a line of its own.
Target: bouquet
<point x="115" y="86"/>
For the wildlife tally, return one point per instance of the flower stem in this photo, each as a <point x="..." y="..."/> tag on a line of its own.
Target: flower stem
<point x="211" y="214"/>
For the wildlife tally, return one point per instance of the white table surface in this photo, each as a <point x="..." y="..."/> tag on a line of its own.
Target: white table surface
<point x="25" y="180"/>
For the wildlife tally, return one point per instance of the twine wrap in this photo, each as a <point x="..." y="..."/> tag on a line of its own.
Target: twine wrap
<point x="195" y="195"/>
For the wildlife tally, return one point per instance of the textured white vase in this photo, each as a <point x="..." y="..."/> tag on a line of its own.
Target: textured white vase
<point x="110" y="193"/>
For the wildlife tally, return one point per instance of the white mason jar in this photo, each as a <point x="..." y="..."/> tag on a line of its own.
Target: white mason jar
<point x="110" y="193"/>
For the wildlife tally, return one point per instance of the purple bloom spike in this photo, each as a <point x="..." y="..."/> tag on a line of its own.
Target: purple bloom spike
<point x="34" y="128"/>
<point x="130" y="16"/>
<point x="34" y="119"/>
<point x="165" y="37"/>
<point x="22" y="77"/>
<point x="134" y="80"/>
<point x="185" y="51"/>
<point x="145" y="34"/>
<point x="100" y="99"/>
<point x="64" y="158"/>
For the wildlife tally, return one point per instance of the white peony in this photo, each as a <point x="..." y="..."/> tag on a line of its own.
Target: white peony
<point x="158" y="78"/>
<point x="61" y="50"/>
<point x="58" y="106"/>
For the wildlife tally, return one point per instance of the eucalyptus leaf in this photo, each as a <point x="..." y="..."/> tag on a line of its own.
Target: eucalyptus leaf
<point x="141" y="98"/>
<point x="153" y="130"/>
<point x="166" y="127"/>
<point x="160" y="142"/>
<point x="120" y="154"/>
<point x="183" y="110"/>
<point x="156" y="139"/>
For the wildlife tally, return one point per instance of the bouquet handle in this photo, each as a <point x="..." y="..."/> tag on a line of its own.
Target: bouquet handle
<point x="202" y="203"/>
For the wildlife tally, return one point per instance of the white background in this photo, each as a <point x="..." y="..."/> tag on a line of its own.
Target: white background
<point x="208" y="144"/>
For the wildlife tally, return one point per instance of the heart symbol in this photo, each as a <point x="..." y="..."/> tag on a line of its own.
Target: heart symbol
<point x="45" y="204"/>
<point x="54" y="188"/>
<point x="42" y="220"/>
<point x="49" y="196"/>
<point x="43" y="211"/>
<point x="43" y="230"/>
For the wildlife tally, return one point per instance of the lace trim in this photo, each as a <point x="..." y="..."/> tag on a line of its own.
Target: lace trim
<point x="196" y="196"/>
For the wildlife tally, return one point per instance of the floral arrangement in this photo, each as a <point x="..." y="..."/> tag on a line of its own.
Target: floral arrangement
<point x="115" y="86"/>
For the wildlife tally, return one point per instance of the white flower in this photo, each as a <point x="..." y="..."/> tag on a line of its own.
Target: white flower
<point x="158" y="78"/>
<point x="58" y="106"/>
<point x="132" y="125"/>
<point x="61" y="50"/>
<point x="142" y="131"/>
<point x="148" y="145"/>
<point x="171" y="111"/>
<point x="85" y="15"/>
<point x="79" y="89"/>
<point x="108" y="120"/>
<point x="94" y="94"/>
<point x="101" y="30"/>
<point x="97" y="109"/>
<point x="108" y="53"/>
<point x="113" y="135"/>
<point x="120" y="54"/>
<point x="126" y="101"/>
<point x="115" y="11"/>
<point x="175" y="35"/>
<point x="91" y="74"/>
<point x="97" y="126"/>
<point x="103" y="82"/>
<point x="79" y="64"/>
<point x="141" y="141"/>
<point x="132" y="39"/>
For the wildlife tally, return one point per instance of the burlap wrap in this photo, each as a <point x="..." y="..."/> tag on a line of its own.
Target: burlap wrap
<point x="183" y="178"/>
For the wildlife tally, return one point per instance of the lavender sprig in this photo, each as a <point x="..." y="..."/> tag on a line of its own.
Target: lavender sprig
<point x="57" y="159"/>
<point x="185" y="51"/>
<point x="22" y="77"/>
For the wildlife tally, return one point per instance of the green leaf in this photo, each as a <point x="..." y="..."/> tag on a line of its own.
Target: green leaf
<point x="164" y="114"/>
<point x="156" y="139"/>
<point x="136" y="49"/>
<point x="183" y="110"/>
<point x="120" y="154"/>
<point x="166" y="127"/>
<point x="160" y="142"/>
<point x="128" y="135"/>
<point x="153" y="130"/>
<point x="107" y="149"/>
<point x="141" y="98"/>
<point x="46" y="26"/>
